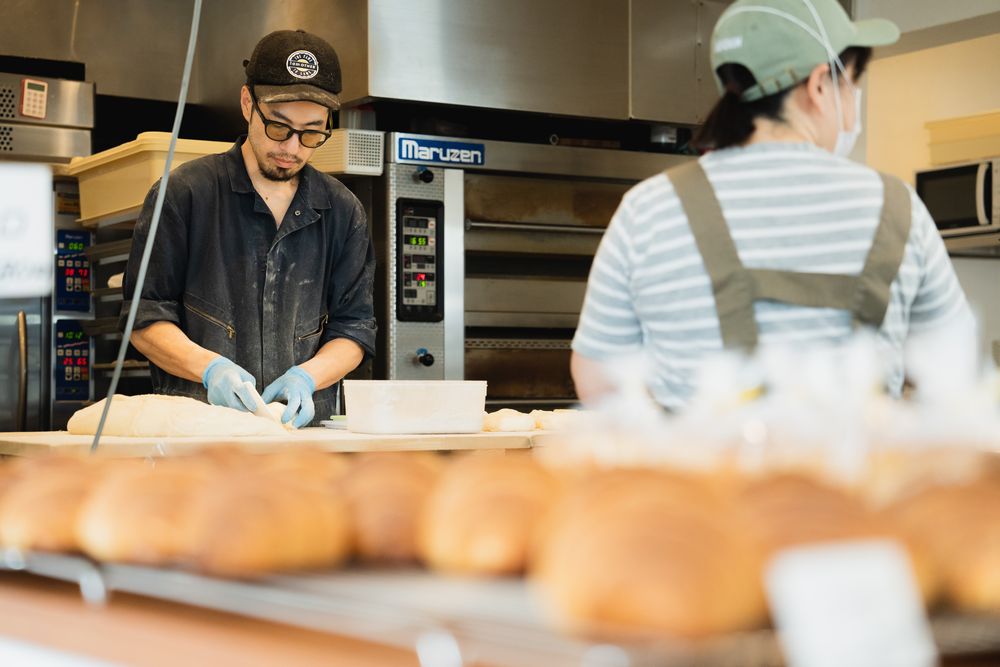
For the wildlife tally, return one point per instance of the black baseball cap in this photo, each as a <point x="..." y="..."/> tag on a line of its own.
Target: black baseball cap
<point x="294" y="65"/>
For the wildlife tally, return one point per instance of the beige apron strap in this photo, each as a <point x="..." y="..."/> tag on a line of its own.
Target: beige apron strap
<point x="731" y="286"/>
<point x="886" y="254"/>
<point x="815" y="290"/>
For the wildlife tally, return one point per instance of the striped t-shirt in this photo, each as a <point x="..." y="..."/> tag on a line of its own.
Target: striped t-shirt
<point x="789" y="206"/>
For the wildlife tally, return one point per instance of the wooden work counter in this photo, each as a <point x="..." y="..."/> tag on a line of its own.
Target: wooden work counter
<point x="333" y="440"/>
<point x="138" y="631"/>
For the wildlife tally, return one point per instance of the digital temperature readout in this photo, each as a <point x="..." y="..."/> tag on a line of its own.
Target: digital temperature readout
<point x="414" y="240"/>
<point x="76" y="245"/>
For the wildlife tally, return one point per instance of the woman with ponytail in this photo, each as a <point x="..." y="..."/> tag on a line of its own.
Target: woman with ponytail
<point x="773" y="237"/>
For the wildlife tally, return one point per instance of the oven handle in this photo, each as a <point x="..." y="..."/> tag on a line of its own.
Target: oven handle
<point x="21" y="417"/>
<point x="531" y="227"/>
<point x="981" y="193"/>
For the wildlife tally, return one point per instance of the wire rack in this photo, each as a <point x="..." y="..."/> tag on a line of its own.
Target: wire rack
<point x="447" y="620"/>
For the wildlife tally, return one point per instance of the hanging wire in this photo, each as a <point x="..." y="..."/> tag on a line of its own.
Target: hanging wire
<point x="157" y="209"/>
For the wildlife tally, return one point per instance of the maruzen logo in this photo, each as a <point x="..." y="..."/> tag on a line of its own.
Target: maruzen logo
<point x="443" y="152"/>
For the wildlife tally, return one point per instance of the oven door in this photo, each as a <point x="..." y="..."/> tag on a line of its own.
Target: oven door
<point x="960" y="198"/>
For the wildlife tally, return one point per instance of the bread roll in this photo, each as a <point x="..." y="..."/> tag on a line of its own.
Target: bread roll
<point x="304" y="464"/>
<point x="959" y="527"/>
<point x="143" y="515"/>
<point x="647" y="553"/>
<point x="508" y="420"/>
<point x="481" y="517"/>
<point x="40" y="506"/>
<point x="791" y="510"/>
<point x="254" y="522"/>
<point x="386" y="494"/>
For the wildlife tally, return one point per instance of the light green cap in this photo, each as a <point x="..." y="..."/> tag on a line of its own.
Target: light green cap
<point x="782" y="41"/>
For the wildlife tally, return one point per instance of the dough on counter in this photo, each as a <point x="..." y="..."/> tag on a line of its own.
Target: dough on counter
<point x="554" y="420"/>
<point x="156" y="415"/>
<point x="508" y="420"/>
<point x="116" y="280"/>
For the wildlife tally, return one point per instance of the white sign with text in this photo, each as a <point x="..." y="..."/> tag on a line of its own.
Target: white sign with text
<point x="849" y="603"/>
<point x="26" y="245"/>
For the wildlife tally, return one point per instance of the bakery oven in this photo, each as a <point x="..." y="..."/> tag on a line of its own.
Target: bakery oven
<point x="484" y="251"/>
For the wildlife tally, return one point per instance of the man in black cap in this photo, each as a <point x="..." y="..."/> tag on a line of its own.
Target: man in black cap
<point x="263" y="266"/>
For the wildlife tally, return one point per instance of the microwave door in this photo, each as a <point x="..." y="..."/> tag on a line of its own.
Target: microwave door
<point x="981" y="193"/>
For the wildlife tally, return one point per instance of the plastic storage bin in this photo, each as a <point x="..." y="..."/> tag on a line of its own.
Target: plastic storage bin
<point x="415" y="406"/>
<point x="965" y="139"/>
<point x="118" y="179"/>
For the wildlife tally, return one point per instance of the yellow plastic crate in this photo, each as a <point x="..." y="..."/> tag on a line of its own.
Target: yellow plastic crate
<point x="964" y="139"/>
<point x="119" y="178"/>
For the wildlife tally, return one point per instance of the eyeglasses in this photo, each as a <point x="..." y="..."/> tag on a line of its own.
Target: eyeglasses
<point x="277" y="131"/>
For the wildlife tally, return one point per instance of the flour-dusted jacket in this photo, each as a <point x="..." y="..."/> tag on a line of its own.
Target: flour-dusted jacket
<point x="266" y="297"/>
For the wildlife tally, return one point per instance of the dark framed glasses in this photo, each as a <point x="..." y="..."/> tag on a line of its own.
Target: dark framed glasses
<point x="278" y="131"/>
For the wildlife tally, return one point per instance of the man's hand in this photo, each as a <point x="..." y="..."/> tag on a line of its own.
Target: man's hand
<point x="224" y="381"/>
<point x="296" y="386"/>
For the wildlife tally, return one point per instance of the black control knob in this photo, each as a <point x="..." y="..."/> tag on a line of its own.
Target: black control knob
<point x="424" y="357"/>
<point x="425" y="176"/>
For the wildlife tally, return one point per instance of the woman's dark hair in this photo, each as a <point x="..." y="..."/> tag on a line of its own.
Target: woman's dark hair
<point x="731" y="121"/>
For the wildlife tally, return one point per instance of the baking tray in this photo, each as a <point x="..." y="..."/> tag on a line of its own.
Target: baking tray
<point x="495" y="621"/>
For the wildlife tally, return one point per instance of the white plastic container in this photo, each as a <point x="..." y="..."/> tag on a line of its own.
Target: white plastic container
<point x="415" y="406"/>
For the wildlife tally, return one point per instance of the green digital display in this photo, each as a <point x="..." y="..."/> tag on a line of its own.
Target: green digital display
<point x="75" y="245"/>
<point x="36" y="86"/>
<point x="415" y="240"/>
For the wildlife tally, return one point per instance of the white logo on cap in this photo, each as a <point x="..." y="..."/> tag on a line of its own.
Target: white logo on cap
<point x="729" y="43"/>
<point x="302" y="65"/>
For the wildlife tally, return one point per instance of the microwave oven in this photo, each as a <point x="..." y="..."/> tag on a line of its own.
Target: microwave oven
<point x="963" y="198"/>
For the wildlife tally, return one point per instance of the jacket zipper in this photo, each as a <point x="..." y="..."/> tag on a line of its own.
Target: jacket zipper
<point x="322" y="323"/>
<point x="230" y="331"/>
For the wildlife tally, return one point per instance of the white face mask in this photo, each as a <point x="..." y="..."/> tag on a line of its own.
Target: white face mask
<point x="847" y="138"/>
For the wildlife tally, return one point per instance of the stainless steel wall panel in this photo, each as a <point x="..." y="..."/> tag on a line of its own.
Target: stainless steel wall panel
<point x="552" y="56"/>
<point x="69" y="103"/>
<point x="34" y="142"/>
<point x="671" y="73"/>
<point x="231" y="28"/>
<point x="134" y="48"/>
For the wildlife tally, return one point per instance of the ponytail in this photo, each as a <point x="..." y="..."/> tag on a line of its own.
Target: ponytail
<point x="731" y="120"/>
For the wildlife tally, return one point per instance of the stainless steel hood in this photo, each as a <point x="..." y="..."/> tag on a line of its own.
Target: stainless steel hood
<point x="583" y="58"/>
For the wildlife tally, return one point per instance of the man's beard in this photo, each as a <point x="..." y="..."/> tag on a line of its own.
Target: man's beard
<point x="276" y="173"/>
<point x="273" y="172"/>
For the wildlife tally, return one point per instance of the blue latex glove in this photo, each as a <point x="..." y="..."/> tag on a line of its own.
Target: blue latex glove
<point x="224" y="381"/>
<point x="296" y="387"/>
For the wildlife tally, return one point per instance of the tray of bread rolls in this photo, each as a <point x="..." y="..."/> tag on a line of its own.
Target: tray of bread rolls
<point x="496" y="558"/>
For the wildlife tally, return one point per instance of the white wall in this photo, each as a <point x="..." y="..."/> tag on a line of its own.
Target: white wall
<point x="904" y="92"/>
<point x="980" y="279"/>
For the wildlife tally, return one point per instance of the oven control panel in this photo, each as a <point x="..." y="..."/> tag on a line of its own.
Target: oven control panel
<point x="72" y="350"/>
<point x="72" y="291"/>
<point x="419" y="260"/>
